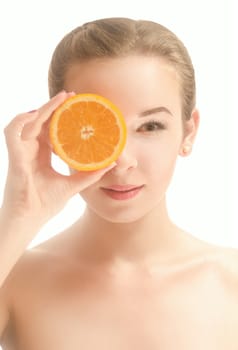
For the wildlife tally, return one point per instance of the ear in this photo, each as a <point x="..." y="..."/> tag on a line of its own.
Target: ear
<point x="190" y="132"/>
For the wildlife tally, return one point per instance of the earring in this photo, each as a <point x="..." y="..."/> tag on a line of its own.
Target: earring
<point x="186" y="149"/>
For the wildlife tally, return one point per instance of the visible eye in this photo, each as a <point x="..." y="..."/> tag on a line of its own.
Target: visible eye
<point x="152" y="125"/>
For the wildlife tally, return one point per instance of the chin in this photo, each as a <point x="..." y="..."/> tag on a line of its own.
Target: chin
<point x="120" y="216"/>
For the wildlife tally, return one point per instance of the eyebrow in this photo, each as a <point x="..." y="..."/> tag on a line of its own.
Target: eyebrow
<point x="154" y="111"/>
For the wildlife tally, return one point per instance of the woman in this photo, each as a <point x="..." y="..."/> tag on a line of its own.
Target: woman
<point x="124" y="276"/>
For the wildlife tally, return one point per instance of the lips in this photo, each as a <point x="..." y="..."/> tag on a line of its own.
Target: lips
<point x="122" y="192"/>
<point x="122" y="188"/>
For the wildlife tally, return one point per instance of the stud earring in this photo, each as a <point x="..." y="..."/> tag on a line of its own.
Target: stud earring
<point x="186" y="149"/>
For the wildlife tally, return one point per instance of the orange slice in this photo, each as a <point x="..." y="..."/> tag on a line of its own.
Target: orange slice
<point x="88" y="132"/>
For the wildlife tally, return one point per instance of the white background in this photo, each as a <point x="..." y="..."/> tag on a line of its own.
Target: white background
<point x="203" y="195"/>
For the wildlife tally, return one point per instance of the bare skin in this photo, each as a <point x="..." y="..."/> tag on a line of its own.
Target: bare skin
<point x="188" y="302"/>
<point x="124" y="276"/>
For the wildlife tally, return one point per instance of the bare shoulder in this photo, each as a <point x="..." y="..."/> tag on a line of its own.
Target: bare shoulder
<point x="24" y="281"/>
<point x="212" y="265"/>
<point x="42" y="259"/>
<point x="224" y="263"/>
<point x="33" y="270"/>
<point x="227" y="259"/>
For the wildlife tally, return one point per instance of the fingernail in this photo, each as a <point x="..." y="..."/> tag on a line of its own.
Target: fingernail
<point x="60" y="93"/>
<point x="71" y="93"/>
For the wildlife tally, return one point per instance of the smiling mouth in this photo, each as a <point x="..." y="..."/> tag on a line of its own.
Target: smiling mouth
<point x="124" y="192"/>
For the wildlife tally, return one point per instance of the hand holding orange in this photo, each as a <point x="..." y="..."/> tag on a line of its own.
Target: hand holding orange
<point x="88" y="132"/>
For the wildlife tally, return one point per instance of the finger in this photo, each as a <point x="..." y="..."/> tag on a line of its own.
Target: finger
<point x="33" y="129"/>
<point x="13" y="131"/>
<point x="44" y="156"/>
<point x="22" y="125"/>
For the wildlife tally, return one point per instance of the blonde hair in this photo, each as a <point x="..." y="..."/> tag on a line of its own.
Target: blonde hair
<point x="120" y="37"/>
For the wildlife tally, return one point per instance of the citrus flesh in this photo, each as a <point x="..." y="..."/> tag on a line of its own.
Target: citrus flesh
<point x="88" y="132"/>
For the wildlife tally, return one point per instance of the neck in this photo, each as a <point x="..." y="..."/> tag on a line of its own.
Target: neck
<point x="151" y="238"/>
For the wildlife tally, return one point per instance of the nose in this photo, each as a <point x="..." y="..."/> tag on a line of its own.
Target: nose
<point x="126" y="161"/>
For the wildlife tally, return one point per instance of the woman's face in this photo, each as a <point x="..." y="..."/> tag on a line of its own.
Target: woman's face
<point x="146" y="90"/>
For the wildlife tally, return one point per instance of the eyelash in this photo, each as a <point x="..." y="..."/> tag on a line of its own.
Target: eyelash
<point x="156" y="126"/>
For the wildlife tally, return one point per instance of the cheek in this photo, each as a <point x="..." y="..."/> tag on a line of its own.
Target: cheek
<point x="157" y="165"/>
<point x="158" y="155"/>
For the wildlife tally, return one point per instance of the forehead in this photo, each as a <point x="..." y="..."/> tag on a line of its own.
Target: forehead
<point x="128" y="81"/>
